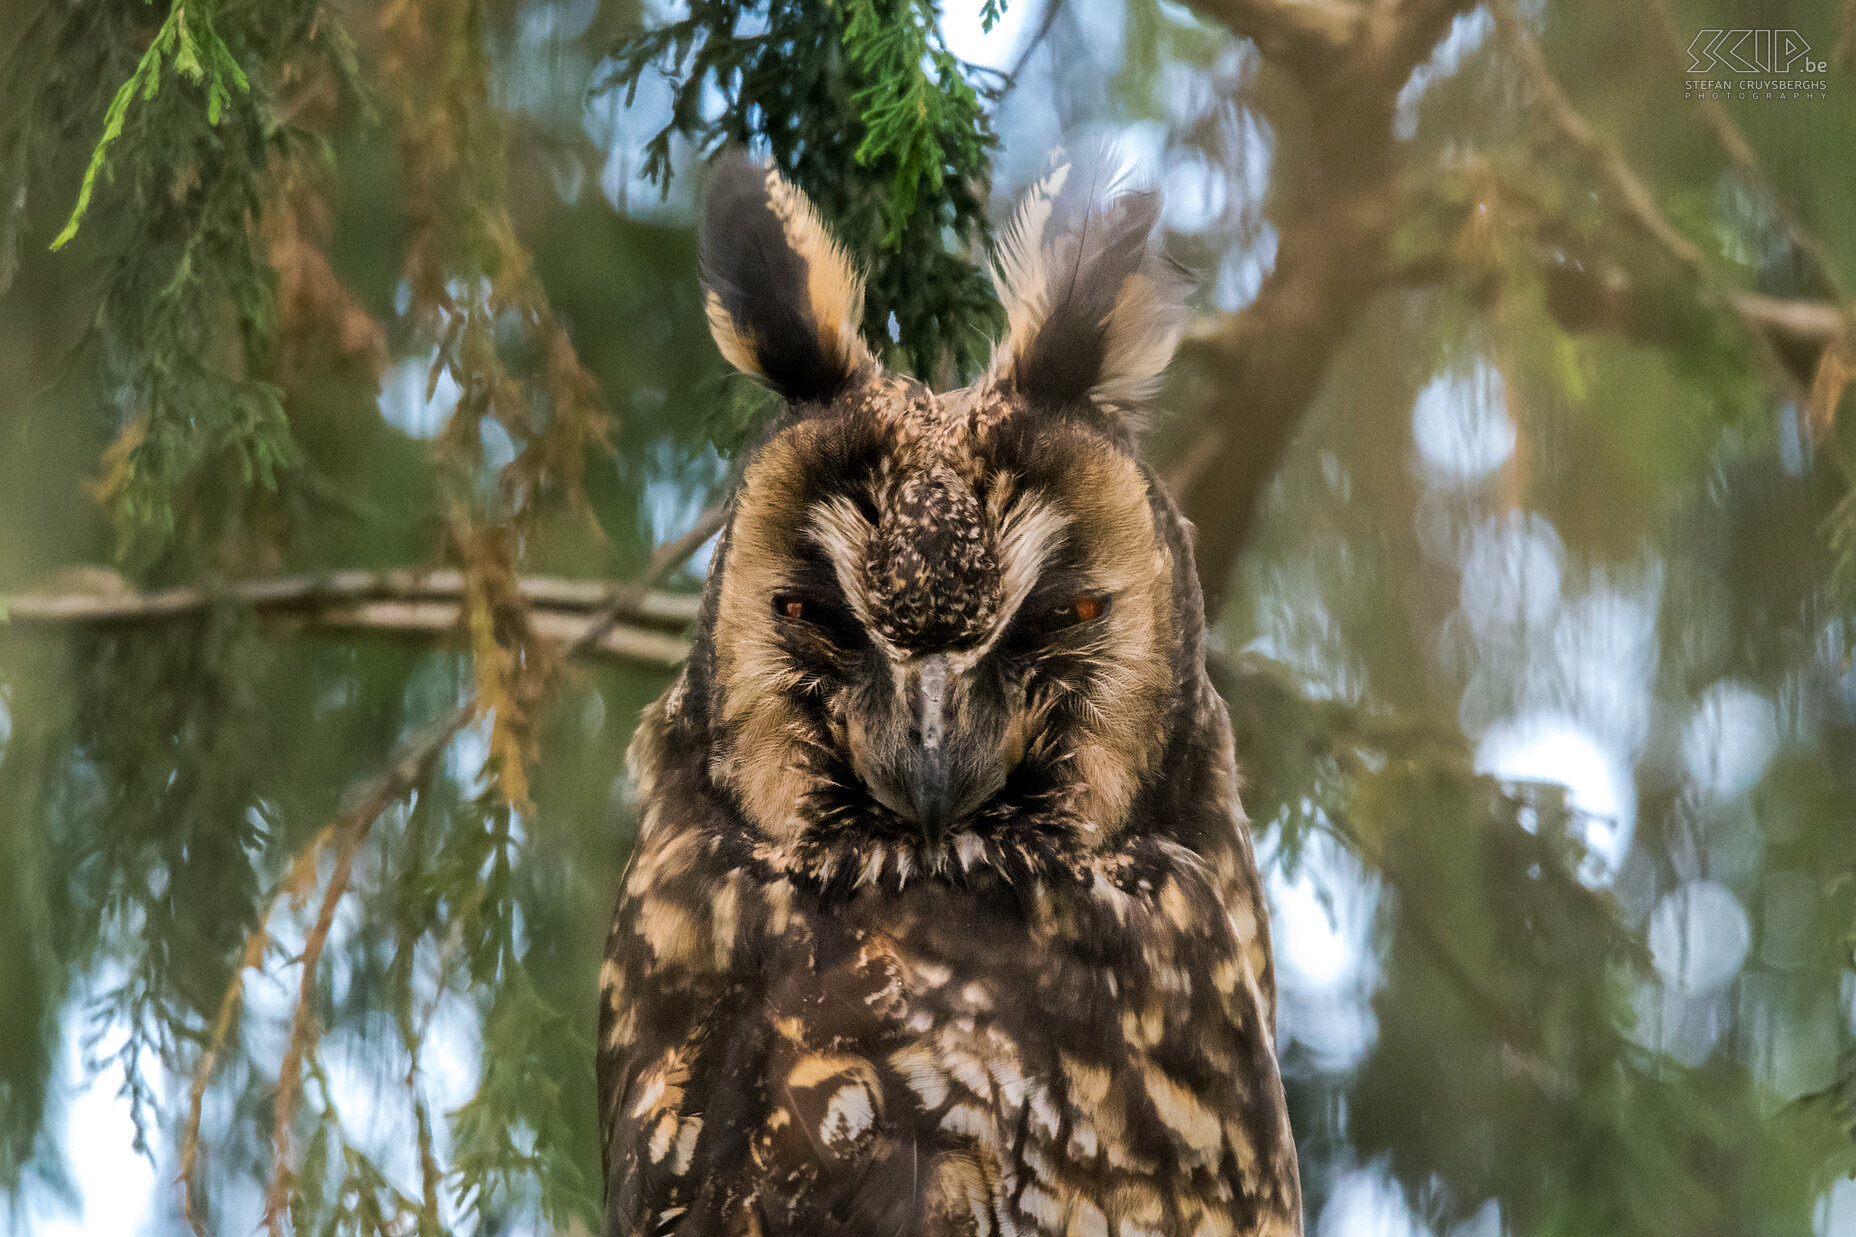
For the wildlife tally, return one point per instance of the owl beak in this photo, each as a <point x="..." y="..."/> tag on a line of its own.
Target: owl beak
<point x="947" y="772"/>
<point x="931" y="791"/>
<point x="930" y="770"/>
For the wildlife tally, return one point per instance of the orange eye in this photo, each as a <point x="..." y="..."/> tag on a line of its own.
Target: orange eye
<point x="1080" y="609"/>
<point x="787" y="606"/>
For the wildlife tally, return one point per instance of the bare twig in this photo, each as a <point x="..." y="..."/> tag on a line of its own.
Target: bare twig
<point x="1814" y="323"/>
<point x="1046" y="21"/>
<point x="621" y="641"/>
<point x="257" y="944"/>
<point x="412" y="766"/>
<point x="627" y="597"/>
<point x="625" y="642"/>
<point x="1836" y="369"/>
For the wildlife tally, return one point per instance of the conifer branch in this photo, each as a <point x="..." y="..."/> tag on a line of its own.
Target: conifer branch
<point x="863" y="107"/>
<point x="98" y="595"/>
<point x="366" y="803"/>
<point x="473" y="286"/>
<point x="198" y="54"/>
<point x="382" y="791"/>
<point x="257" y="944"/>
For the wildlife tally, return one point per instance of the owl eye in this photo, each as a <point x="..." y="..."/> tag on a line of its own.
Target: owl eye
<point x="1083" y="608"/>
<point x="828" y="620"/>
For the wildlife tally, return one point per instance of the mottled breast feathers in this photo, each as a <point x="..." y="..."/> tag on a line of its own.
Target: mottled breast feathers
<point x="943" y="916"/>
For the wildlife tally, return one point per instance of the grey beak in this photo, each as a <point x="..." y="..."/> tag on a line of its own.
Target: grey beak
<point x="931" y="752"/>
<point x="930" y="766"/>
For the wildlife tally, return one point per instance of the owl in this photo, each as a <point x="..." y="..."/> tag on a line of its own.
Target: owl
<point x="943" y="916"/>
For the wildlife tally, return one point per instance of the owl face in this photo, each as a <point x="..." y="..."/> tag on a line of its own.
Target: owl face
<point x="945" y="622"/>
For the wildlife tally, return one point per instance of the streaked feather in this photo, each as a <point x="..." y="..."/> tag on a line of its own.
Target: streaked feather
<point x="1094" y="307"/>
<point x="782" y="298"/>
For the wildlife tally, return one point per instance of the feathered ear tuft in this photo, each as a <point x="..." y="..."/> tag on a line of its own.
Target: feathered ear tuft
<point x="1094" y="307"/>
<point x="783" y="299"/>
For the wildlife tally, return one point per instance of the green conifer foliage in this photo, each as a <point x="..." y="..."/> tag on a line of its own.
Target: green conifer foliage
<point x="174" y="184"/>
<point x="865" y="109"/>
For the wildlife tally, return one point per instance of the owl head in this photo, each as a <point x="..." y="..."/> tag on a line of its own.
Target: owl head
<point x="945" y="627"/>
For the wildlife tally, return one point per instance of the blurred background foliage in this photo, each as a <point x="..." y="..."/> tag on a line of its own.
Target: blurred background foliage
<point x="358" y="450"/>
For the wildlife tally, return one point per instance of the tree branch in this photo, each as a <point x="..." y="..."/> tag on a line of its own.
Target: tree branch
<point x="635" y="624"/>
<point x="1617" y="176"/>
<point x="412" y="766"/>
<point x="1046" y="22"/>
<point x="1266" y="363"/>
<point x="1602" y="156"/>
<point x="1745" y="159"/>
<point x="96" y="595"/>
<point x="1351" y="61"/>
<point x="630" y="595"/>
<point x="1302" y="35"/>
<point x="412" y="607"/>
<point x="1583" y="300"/>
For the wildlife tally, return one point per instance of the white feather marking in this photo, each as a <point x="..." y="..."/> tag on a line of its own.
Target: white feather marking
<point x="651" y="1095"/>
<point x="932" y="974"/>
<point x="841" y="530"/>
<point x="921" y="1069"/>
<point x="737" y="349"/>
<point x="1028" y="532"/>
<point x="1041" y="1207"/>
<point x="686" y="1145"/>
<point x="1044" y="1117"/>
<point x="623" y="1028"/>
<point x="1009" y="1081"/>
<point x="1144" y="331"/>
<point x="968" y="1070"/>
<point x="1087" y="1221"/>
<point x="847" y="1115"/>
<point x="970" y="1120"/>
<point x="1019" y="272"/>
<point x="663" y="1137"/>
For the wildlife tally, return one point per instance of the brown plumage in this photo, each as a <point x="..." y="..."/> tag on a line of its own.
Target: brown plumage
<point x="943" y="917"/>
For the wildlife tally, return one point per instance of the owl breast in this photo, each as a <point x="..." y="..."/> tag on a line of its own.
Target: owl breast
<point x="937" y="1058"/>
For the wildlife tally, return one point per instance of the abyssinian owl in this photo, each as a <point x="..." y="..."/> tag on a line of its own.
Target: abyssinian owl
<point x="943" y="917"/>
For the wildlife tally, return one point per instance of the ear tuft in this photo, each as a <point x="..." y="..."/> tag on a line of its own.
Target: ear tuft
<point x="1094" y="307"/>
<point x="782" y="298"/>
